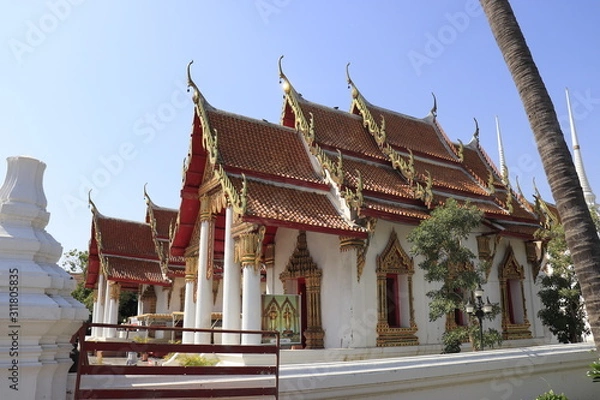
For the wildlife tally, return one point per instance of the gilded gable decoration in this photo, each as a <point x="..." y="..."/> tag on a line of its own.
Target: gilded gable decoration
<point x="209" y="140"/>
<point x="490" y="182"/>
<point x="291" y="97"/>
<point x="460" y="152"/>
<point x="355" y="199"/>
<point x="359" y="101"/>
<point x="407" y="168"/>
<point x="394" y="261"/>
<point x="237" y="200"/>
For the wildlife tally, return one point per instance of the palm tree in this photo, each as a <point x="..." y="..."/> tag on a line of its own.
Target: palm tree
<point x="580" y="232"/>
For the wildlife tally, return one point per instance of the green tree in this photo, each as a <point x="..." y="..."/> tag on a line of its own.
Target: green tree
<point x="75" y="261"/>
<point x="439" y="240"/>
<point x="580" y="232"/>
<point x="563" y="311"/>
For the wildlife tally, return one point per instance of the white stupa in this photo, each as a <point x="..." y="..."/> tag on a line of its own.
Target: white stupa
<point x="39" y="315"/>
<point x="589" y="195"/>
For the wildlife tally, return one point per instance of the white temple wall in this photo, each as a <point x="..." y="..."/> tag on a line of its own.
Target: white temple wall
<point x="336" y="294"/>
<point x="285" y="243"/>
<point x="349" y="306"/>
<point x="173" y="295"/>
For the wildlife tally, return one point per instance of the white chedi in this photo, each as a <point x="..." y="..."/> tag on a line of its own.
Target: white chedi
<point x="40" y="314"/>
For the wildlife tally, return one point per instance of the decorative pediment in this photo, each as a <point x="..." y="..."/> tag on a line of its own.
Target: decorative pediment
<point x="300" y="263"/>
<point x="510" y="267"/>
<point x="394" y="259"/>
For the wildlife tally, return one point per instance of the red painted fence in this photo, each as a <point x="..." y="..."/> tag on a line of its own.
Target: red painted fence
<point x="268" y="385"/>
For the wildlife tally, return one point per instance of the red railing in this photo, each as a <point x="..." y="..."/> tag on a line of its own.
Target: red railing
<point x="267" y="385"/>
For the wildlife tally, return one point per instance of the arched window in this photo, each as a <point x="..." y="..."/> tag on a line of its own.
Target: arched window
<point x="395" y="314"/>
<point x="515" y="324"/>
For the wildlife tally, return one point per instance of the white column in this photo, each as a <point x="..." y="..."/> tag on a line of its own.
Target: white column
<point x="98" y="311"/>
<point x="231" y="285"/>
<point x="140" y="302"/>
<point x="251" y="305"/>
<point x="204" y="290"/>
<point x="105" y="314"/>
<point x="189" y="309"/>
<point x="113" y="308"/>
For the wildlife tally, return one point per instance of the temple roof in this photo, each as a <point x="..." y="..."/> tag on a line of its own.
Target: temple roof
<point x="324" y="169"/>
<point x="133" y="253"/>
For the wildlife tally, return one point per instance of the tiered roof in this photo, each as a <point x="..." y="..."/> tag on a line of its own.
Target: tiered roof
<point x="327" y="170"/>
<point x="133" y="253"/>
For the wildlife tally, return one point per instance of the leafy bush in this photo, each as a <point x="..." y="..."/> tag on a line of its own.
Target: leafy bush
<point x="595" y="371"/>
<point x="551" y="396"/>
<point x="194" y="360"/>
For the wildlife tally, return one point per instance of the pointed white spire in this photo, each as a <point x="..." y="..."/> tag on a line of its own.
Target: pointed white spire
<point x="503" y="169"/>
<point x="589" y="195"/>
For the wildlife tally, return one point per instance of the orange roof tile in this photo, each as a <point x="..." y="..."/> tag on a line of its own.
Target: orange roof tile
<point x="410" y="133"/>
<point x="288" y="206"/>
<point x="335" y="129"/>
<point x="394" y="209"/>
<point x="134" y="270"/>
<point x="476" y="162"/>
<point x="450" y="176"/>
<point x="261" y="147"/>
<point x="164" y="217"/>
<point x="126" y="238"/>
<point x="379" y="178"/>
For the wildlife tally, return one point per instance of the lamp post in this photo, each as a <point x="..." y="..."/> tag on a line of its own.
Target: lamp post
<point x="479" y="310"/>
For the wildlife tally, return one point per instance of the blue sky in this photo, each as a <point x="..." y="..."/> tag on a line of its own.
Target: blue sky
<point x="96" y="90"/>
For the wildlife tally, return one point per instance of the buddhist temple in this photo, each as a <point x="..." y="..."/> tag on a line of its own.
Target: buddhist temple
<point x="301" y="226"/>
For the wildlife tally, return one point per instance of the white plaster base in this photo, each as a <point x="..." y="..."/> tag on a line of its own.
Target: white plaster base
<point x="521" y="373"/>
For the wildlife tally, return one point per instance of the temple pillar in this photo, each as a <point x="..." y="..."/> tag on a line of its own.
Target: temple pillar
<point x="140" y="300"/>
<point x="113" y="292"/>
<point x="105" y="314"/>
<point x="203" y="313"/>
<point x="98" y="310"/>
<point x="189" y="307"/>
<point x="249" y="250"/>
<point x="231" y="284"/>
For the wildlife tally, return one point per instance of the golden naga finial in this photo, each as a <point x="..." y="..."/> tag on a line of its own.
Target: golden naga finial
<point x="476" y="134"/>
<point x="91" y="203"/>
<point x="350" y="82"/>
<point x="146" y="195"/>
<point x="191" y="84"/>
<point x="433" y="111"/>
<point x="282" y="78"/>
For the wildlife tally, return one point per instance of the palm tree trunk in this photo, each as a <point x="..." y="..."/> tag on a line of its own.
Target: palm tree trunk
<point x="580" y="232"/>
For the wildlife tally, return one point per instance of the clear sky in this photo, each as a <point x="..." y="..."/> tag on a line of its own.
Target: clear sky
<point x="96" y="90"/>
